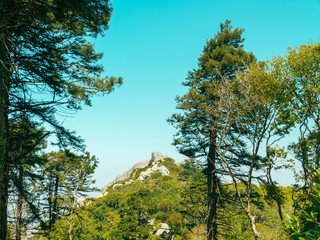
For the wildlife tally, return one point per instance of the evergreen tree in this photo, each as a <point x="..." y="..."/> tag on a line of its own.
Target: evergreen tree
<point x="26" y="140"/>
<point x="222" y="57"/>
<point x="67" y="179"/>
<point x="194" y="194"/>
<point x="46" y="62"/>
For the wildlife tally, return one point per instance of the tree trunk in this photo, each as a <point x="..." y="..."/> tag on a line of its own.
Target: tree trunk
<point x="50" y="211"/>
<point x="212" y="228"/>
<point x="273" y="195"/>
<point x="19" y="207"/>
<point x="279" y="210"/>
<point x="249" y="190"/>
<point x="55" y="200"/>
<point x="70" y="224"/>
<point x="253" y="226"/>
<point x="4" y="166"/>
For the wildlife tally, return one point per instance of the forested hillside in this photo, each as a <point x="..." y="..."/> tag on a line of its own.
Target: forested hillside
<point x="171" y="207"/>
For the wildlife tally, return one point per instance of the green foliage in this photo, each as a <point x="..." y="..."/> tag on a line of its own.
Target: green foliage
<point x="26" y="140"/>
<point x="194" y="200"/>
<point x="136" y="210"/>
<point x="233" y="104"/>
<point x="135" y="213"/>
<point x="199" y="123"/>
<point x="47" y="65"/>
<point x="222" y="56"/>
<point x="305" y="224"/>
<point x="66" y="178"/>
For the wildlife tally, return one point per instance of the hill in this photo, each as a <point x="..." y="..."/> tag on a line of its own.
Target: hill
<point x="162" y="199"/>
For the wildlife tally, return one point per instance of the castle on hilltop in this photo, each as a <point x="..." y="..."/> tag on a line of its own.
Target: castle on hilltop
<point x="157" y="156"/>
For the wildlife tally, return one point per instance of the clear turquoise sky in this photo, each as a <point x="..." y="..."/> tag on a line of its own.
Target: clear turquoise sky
<point x="152" y="44"/>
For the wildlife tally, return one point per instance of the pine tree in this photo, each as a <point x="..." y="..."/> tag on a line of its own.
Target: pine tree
<point x="26" y="140"/>
<point x="46" y="62"/>
<point x="222" y="56"/>
<point x="67" y="179"/>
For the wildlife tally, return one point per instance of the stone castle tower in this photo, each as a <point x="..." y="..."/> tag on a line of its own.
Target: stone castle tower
<point x="157" y="156"/>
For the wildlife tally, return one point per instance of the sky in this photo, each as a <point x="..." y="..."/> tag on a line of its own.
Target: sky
<point x="153" y="44"/>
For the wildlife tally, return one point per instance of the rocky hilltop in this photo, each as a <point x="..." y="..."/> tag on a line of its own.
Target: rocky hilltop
<point x="150" y="166"/>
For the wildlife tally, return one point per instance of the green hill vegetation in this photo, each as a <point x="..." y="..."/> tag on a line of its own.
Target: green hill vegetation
<point x="139" y="209"/>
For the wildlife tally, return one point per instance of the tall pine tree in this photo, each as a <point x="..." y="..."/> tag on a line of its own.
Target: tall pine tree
<point x="26" y="141"/>
<point x="222" y="56"/>
<point x="47" y="62"/>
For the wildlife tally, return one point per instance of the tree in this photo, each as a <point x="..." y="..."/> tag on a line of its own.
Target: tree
<point x="222" y="57"/>
<point x="266" y="101"/>
<point x="301" y="69"/>
<point x="194" y="195"/>
<point x="135" y="214"/>
<point x="26" y="140"/>
<point x="305" y="224"/>
<point x="254" y="107"/>
<point x="77" y="181"/>
<point x="64" y="189"/>
<point x="46" y="62"/>
<point x="67" y="179"/>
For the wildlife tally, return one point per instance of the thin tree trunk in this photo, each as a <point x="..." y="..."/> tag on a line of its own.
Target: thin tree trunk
<point x="55" y="200"/>
<point x="4" y="166"/>
<point x="19" y="207"/>
<point x="279" y="210"/>
<point x="253" y="226"/>
<point x="245" y="206"/>
<point x="273" y="194"/>
<point x="249" y="190"/>
<point x="74" y="204"/>
<point x="70" y="224"/>
<point x="50" y="210"/>
<point x="212" y="226"/>
<point x="317" y="147"/>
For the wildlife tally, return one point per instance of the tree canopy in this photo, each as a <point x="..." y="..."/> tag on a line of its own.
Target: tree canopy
<point x="197" y="136"/>
<point x="48" y="66"/>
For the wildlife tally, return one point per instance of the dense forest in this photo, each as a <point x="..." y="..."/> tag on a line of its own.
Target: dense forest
<point x="232" y="125"/>
<point x="135" y="209"/>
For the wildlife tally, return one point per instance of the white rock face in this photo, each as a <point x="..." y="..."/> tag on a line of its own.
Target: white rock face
<point x="125" y="175"/>
<point x="116" y="185"/>
<point x="81" y="201"/>
<point x="155" y="168"/>
<point x="130" y="181"/>
<point x="163" y="229"/>
<point x="156" y="157"/>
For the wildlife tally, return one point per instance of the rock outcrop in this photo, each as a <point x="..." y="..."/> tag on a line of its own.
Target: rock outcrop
<point x="155" y="168"/>
<point x="156" y="158"/>
<point x="126" y="174"/>
<point x="163" y="229"/>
